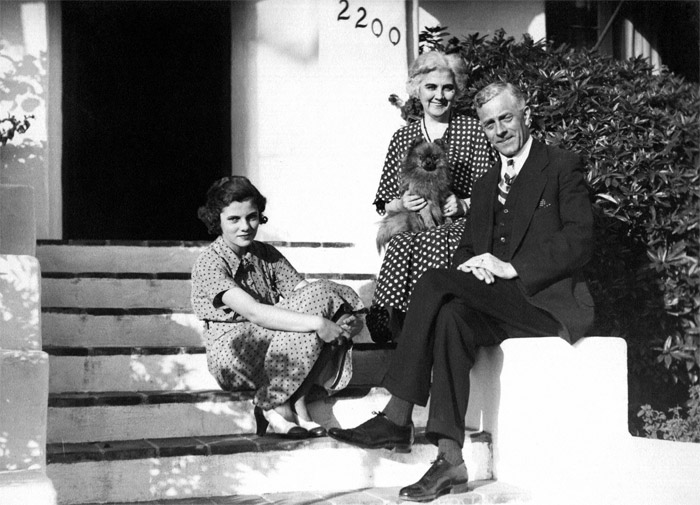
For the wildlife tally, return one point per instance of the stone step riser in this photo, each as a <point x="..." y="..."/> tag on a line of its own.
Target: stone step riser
<point x="96" y="292"/>
<point x="86" y="330"/>
<point x="165" y="372"/>
<point x="178" y="329"/>
<point x="205" y="418"/>
<point x="178" y="372"/>
<point x="81" y="258"/>
<point x="125" y="258"/>
<point x="323" y="466"/>
<point x="135" y="422"/>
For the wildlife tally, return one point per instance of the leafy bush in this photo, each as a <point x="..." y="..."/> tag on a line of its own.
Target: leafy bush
<point x="675" y="427"/>
<point x="638" y="131"/>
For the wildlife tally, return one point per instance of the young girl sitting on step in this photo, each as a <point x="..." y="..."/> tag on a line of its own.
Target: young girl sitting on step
<point x="268" y="329"/>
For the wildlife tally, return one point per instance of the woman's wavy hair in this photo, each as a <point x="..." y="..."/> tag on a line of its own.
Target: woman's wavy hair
<point x="234" y="188"/>
<point x="436" y="60"/>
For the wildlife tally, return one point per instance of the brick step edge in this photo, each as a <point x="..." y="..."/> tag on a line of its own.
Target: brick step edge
<point x="182" y="243"/>
<point x="67" y="453"/>
<point x="52" y="350"/>
<point x="130" y="398"/>
<point x="114" y="311"/>
<point x="185" y="276"/>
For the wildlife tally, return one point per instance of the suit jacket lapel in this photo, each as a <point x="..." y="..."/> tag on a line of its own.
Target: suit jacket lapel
<point x="527" y="190"/>
<point x="483" y="201"/>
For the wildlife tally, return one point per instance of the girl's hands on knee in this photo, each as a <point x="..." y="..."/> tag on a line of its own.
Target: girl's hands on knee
<point x="351" y="324"/>
<point x="328" y="331"/>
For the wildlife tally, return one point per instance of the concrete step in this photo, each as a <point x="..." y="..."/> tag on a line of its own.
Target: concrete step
<point x="483" y="491"/>
<point x="150" y="290"/>
<point x="174" y="256"/>
<point x="82" y="369"/>
<point x="92" y="328"/>
<point x="120" y="415"/>
<point x="134" y="327"/>
<point x="155" y="469"/>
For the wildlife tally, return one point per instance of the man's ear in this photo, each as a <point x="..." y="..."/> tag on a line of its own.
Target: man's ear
<point x="526" y="115"/>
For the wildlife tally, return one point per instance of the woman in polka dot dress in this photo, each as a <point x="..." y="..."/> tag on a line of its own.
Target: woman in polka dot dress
<point x="436" y="79"/>
<point x="267" y="329"/>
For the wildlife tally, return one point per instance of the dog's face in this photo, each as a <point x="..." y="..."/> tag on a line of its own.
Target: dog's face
<point x="428" y="156"/>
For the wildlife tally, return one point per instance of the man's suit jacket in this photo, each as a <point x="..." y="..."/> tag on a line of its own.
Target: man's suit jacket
<point x="551" y="236"/>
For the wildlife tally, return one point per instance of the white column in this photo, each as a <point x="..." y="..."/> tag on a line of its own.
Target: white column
<point x="24" y="386"/>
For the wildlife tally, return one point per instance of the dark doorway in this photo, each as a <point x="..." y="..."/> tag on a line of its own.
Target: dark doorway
<point x="673" y="28"/>
<point x="146" y="116"/>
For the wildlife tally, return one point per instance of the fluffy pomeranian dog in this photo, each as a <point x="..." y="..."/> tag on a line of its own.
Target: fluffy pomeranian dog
<point x="425" y="172"/>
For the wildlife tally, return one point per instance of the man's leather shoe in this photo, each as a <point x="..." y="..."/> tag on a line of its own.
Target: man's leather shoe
<point x="441" y="478"/>
<point x="377" y="433"/>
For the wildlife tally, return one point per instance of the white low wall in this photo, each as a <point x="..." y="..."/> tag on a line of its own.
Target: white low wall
<point x="558" y="415"/>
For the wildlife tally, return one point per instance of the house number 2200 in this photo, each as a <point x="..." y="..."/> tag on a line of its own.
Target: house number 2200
<point x="376" y="25"/>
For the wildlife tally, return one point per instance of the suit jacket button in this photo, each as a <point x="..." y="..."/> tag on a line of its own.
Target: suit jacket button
<point x="503" y="239"/>
<point x="505" y="211"/>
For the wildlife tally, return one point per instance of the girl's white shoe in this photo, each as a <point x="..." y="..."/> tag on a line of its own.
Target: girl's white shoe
<point x="280" y="426"/>
<point x="314" y="429"/>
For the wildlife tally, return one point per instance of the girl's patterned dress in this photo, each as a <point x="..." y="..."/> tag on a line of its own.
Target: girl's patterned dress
<point x="244" y="356"/>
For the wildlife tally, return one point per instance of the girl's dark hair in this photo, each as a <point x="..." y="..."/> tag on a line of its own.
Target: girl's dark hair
<point x="234" y="188"/>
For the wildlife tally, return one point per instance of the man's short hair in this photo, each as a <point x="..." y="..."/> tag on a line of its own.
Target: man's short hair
<point x="495" y="89"/>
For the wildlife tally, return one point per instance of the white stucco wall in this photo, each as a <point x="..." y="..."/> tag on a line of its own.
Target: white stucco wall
<point x="24" y="159"/>
<point x="462" y="17"/>
<point x="322" y="122"/>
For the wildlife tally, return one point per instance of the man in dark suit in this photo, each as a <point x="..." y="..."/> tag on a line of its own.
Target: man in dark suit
<point x="516" y="273"/>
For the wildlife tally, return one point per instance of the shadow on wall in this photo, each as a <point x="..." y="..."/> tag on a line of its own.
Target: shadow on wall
<point x="30" y="456"/>
<point x="20" y="301"/>
<point x="298" y="38"/>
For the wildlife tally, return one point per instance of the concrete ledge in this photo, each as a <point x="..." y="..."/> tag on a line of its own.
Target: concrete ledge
<point x="26" y="488"/>
<point x="552" y="408"/>
<point x="20" y="302"/>
<point x="629" y="471"/>
<point x="24" y="378"/>
<point x="248" y="465"/>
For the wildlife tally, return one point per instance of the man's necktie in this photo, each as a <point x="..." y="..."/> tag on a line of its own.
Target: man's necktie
<point x="506" y="181"/>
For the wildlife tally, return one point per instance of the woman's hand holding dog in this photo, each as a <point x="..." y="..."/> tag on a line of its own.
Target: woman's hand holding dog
<point x="454" y="207"/>
<point x="412" y="202"/>
<point x="408" y="201"/>
<point x="486" y="267"/>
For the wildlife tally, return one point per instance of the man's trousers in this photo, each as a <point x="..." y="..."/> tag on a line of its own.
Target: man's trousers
<point x="450" y="315"/>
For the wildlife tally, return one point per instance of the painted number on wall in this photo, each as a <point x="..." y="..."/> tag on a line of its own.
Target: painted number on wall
<point x="376" y="25"/>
